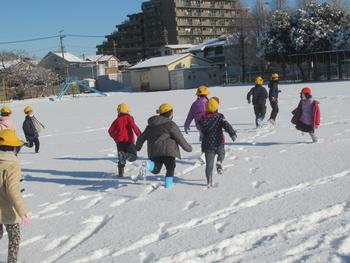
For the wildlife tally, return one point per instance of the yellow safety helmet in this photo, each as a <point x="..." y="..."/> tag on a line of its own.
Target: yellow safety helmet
<point x="123" y="108"/>
<point x="27" y="109"/>
<point x="6" y="109"/>
<point x="259" y="80"/>
<point x="9" y="138"/>
<point x="212" y="105"/>
<point x="202" y="91"/>
<point x="274" y="76"/>
<point x="217" y="99"/>
<point x="164" y="108"/>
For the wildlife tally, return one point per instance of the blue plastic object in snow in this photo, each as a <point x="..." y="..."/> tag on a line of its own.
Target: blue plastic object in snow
<point x="150" y="166"/>
<point x="169" y="181"/>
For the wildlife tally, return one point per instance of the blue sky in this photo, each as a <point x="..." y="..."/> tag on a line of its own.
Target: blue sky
<point x="26" y="19"/>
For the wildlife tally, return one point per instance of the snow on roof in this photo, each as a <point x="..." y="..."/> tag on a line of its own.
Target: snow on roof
<point x="69" y="57"/>
<point x="9" y="63"/>
<point x="220" y="41"/>
<point x="99" y="58"/>
<point x="180" y="46"/>
<point x="159" y="61"/>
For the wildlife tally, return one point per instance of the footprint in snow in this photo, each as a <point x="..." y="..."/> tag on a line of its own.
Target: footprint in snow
<point x="257" y="184"/>
<point x="144" y="258"/>
<point x="253" y="170"/>
<point x="220" y="227"/>
<point x="190" y="204"/>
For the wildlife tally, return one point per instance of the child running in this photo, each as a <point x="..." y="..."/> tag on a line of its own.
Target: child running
<point x="307" y="115"/>
<point x="259" y="94"/>
<point x="212" y="125"/>
<point x="163" y="138"/>
<point x="13" y="209"/>
<point x="273" y="97"/>
<point x="122" y="131"/>
<point x="31" y="128"/>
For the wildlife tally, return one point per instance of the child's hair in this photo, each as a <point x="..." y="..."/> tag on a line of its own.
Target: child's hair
<point x="6" y="148"/>
<point x="5" y="114"/>
<point x="167" y="114"/>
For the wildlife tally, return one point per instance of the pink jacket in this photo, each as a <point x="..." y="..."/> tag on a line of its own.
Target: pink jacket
<point x="6" y="123"/>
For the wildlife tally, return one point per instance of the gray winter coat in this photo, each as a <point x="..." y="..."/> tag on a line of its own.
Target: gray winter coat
<point x="163" y="138"/>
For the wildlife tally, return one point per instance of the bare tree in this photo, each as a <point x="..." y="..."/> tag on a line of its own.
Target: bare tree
<point x="279" y="4"/>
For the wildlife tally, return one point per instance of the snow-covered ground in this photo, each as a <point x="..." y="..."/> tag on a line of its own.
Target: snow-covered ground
<point x="281" y="198"/>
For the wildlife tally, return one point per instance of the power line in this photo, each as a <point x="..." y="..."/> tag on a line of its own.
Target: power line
<point x="72" y="35"/>
<point x="27" y="40"/>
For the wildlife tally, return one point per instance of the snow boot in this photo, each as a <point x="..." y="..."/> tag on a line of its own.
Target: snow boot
<point x="120" y="171"/>
<point x="122" y="158"/>
<point x="169" y="181"/>
<point x="313" y="137"/>
<point x="147" y="166"/>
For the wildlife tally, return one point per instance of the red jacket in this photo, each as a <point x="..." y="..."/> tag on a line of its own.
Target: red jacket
<point x="316" y="114"/>
<point x="123" y="129"/>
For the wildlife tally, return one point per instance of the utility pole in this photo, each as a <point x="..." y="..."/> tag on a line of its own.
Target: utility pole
<point x="61" y="42"/>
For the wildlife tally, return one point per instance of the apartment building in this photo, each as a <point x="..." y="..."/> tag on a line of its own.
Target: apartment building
<point x="164" y="22"/>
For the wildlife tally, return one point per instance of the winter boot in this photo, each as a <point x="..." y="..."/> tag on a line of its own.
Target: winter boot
<point x="169" y="181"/>
<point x="122" y="158"/>
<point x="313" y="137"/>
<point x="219" y="168"/>
<point x="120" y="171"/>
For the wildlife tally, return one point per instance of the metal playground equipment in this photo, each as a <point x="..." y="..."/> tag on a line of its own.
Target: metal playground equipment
<point x="75" y="82"/>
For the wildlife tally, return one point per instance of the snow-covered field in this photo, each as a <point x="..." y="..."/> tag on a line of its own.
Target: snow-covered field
<point x="281" y="198"/>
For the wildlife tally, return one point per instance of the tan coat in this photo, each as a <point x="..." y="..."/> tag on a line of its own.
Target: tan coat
<point x="12" y="205"/>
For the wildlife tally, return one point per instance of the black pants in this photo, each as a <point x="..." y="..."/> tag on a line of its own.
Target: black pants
<point x="169" y="163"/>
<point x="304" y="127"/>
<point x="260" y="111"/>
<point x="275" y="109"/>
<point x="35" y="142"/>
<point x="126" y="152"/>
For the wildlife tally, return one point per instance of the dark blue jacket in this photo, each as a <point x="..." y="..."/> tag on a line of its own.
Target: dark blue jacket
<point x="259" y="94"/>
<point x="212" y="126"/>
<point x="273" y="89"/>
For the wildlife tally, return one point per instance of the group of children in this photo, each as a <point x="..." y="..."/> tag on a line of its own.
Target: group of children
<point x="13" y="209"/>
<point x="306" y="116"/>
<point x="164" y="137"/>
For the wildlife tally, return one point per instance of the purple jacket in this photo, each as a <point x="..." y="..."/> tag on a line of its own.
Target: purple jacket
<point x="196" y="112"/>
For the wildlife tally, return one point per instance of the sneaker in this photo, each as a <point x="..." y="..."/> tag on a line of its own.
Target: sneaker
<point x="219" y="168"/>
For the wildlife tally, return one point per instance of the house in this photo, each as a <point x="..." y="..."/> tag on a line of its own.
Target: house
<point x="212" y="50"/>
<point x="109" y="63"/>
<point x="62" y="63"/>
<point x="174" y="49"/>
<point x="154" y="73"/>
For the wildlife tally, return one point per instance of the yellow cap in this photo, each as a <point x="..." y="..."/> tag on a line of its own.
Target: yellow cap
<point x="9" y="138"/>
<point x="202" y="90"/>
<point x="212" y="105"/>
<point x="27" y="109"/>
<point x="123" y="108"/>
<point x="259" y="80"/>
<point x="274" y="76"/>
<point x="6" y="109"/>
<point x="164" y="108"/>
